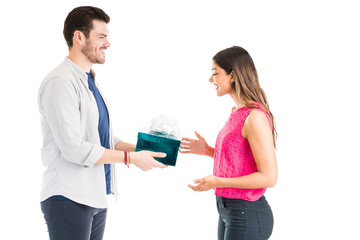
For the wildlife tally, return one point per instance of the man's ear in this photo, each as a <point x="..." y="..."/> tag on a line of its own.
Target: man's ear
<point x="79" y="37"/>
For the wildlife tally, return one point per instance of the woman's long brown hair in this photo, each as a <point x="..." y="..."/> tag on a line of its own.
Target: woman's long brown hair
<point x="237" y="60"/>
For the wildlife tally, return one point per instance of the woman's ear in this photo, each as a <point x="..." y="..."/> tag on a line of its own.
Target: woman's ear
<point x="232" y="77"/>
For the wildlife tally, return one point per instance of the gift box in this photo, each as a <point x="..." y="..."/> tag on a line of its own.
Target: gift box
<point x="157" y="143"/>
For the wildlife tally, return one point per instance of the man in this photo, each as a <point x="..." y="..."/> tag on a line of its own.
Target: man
<point x="79" y="149"/>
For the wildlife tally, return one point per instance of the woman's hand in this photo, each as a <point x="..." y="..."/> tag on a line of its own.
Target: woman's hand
<point x="145" y="160"/>
<point x="205" y="184"/>
<point x="198" y="146"/>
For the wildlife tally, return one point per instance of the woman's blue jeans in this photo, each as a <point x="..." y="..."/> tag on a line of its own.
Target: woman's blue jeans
<point x="244" y="220"/>
<point x="68" y="220"/>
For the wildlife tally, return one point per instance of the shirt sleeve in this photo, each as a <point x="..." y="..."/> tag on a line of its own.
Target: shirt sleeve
<point x="116" y="140"/>
<point x="61" y="109"/>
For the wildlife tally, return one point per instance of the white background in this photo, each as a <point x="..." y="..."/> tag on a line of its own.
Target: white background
<point x="307" y="57"/>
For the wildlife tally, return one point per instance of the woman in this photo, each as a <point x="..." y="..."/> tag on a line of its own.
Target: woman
<point x="244" y="154"/>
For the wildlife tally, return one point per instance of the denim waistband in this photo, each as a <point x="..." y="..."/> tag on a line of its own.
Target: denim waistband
<point x="258" y="204"/>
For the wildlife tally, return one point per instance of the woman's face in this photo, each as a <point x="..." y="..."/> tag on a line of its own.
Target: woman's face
<point x="221" y="80"/>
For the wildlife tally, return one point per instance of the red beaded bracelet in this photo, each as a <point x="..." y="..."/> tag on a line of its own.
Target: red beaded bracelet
<point x="125" y="157"/>
<point x="128" y="163"/>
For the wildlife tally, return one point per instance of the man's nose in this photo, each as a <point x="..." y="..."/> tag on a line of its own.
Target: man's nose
<point x="107" y="43"/>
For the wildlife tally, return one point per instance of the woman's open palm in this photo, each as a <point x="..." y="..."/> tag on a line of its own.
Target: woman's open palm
<point x="194" y="146"/>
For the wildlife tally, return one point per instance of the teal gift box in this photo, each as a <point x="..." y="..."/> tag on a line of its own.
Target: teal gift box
<point x="158" y="143"/>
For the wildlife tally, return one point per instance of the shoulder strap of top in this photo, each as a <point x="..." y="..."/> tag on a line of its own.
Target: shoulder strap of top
<point x="259" y="108"/>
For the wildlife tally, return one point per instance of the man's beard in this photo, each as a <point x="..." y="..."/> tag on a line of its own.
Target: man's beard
<point x="87" y="50"/>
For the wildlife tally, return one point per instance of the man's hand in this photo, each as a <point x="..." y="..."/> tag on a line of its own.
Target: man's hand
<point x="145" y="160"/>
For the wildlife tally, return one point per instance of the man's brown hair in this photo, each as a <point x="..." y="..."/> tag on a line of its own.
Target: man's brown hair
<point x="81" y="19"/>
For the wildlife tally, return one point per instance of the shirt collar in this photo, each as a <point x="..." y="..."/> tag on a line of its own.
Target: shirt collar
<point x="79" y="71"/>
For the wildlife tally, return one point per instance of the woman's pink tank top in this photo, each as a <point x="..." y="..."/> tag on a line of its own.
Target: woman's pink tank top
<point x="233" y="156"/>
